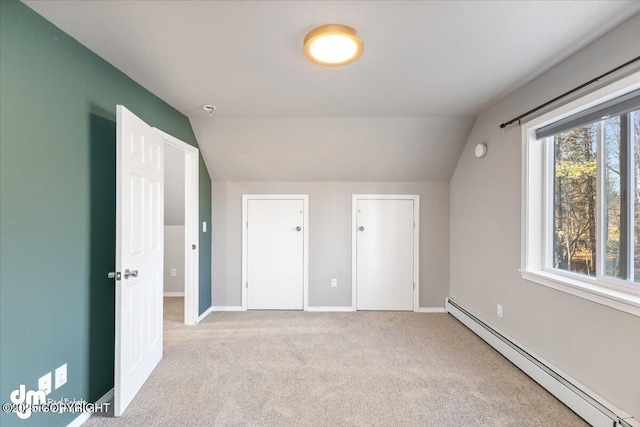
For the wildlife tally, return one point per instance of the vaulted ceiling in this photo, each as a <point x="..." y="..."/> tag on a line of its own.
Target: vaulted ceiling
<point x="437" y="62"/>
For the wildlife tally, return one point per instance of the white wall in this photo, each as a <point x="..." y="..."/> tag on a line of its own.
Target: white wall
<point x="174" y="258"/>
<point x="329" y="237"/>
<point x="174" y="185"/>
<point x="597" y="345"/>
<point x="174" y="204"/>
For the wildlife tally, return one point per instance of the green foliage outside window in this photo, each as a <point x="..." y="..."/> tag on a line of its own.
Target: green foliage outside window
<point x="575" y="208"/>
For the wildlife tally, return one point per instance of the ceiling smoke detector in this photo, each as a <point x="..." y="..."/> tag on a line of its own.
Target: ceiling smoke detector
<point x="209" y="109"/>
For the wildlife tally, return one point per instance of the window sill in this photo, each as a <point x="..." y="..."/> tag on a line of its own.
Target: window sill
<point x="589" y="290"/>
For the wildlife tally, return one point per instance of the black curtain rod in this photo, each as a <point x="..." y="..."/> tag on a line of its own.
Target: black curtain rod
<point x="540" y="107"/>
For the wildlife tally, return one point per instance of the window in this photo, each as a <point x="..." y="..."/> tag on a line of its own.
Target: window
<point x="575" y="202"/>
<point x="581" y="222"/>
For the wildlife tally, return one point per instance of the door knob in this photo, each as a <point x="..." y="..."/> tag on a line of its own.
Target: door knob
<point x="298" y="228"/>
<point x="361" y="228"/>
<point x="132" y="273"/>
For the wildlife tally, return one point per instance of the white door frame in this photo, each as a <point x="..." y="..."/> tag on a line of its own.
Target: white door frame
<point x="245" y="235"/>
<point x="416" y="242"/>
<point x="191" y="226"/>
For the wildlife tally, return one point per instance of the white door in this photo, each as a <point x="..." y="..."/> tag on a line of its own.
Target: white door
<point x="385" y="255"/>
<point x="275" y="254"/>
<point x="139" y="255"/>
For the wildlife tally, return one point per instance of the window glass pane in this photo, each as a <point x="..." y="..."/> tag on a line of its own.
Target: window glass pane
<point x="614" y="204"/>
<point x="574" y="210"/>
<point x="634" y="122"/>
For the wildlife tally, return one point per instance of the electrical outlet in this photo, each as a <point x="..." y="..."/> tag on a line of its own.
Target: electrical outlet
<point x="174" y="272"/>
<point x="61" y="376"/>
<point x="44" y="383"/>
<point x="334" y="283"/>
<point x="499" y="310"/>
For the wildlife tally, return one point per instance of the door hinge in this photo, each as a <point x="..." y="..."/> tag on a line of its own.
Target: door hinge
<point x="414" y="286"/>
<point x="414" y="224"/>
<point x="114" y="275"/>
<point x="246" y="285"/>
<point x="246" y="224"/>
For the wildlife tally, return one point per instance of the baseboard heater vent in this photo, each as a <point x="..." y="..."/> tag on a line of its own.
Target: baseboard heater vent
<point x="585" y="405"/>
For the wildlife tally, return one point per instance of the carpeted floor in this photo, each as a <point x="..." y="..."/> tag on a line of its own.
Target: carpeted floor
<point x="271" y="368"/>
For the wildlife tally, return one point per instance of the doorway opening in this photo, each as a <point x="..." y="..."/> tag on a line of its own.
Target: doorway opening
<point x="140" y="180"/>
<point x="181" y="228"/>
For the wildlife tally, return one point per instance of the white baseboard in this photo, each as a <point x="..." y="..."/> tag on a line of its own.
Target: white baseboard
<point x="340" y="308"/>
<point x="203" y="315"/>
<point x="430" y="310"/>
<point x="227" y="308"/>
<point x="173" y="294"/>
<point x="349" y="308"/>
<point x="592" y="407"/>
<point x="82" y="418"/>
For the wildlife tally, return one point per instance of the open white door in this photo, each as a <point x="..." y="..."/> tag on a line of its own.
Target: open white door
<point x="139" y="255"/>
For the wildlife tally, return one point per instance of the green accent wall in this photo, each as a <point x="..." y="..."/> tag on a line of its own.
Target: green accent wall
<point x="204" y="264"/>
<point x="57" y="207"/>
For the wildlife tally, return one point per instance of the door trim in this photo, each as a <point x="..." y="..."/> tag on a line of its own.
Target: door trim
<point x="416" y="242"/>
<point x="305" y="231"/>
<point x="191" y="226"/>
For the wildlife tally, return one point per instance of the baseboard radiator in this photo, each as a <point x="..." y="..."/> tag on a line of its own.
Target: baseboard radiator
<point x="592" y="410"/>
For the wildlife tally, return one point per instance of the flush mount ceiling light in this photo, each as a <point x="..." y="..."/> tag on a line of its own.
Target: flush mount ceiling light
<point x="333" y="45"/>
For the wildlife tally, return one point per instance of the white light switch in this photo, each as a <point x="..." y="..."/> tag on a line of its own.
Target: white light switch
<point x="334" y="283"/>
<point x="44" y="383"/>
<point x="174" y="273"/>
<point x="499" y="310"/>
<point x="61" y="376"/>
<point x="204" y="226"/>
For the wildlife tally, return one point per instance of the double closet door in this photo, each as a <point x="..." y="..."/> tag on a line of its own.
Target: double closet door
<point x="275" y="252"/>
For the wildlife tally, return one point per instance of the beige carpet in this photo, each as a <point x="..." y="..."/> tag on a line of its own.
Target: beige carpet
<point x="270" y="368"/>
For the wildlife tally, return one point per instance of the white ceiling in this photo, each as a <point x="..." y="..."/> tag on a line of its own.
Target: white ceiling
<point x="333" y="149"/>
<point x="421" y="59"/>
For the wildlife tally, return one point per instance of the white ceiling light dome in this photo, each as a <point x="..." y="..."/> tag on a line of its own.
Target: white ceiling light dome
<point x="333" y="45"/>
